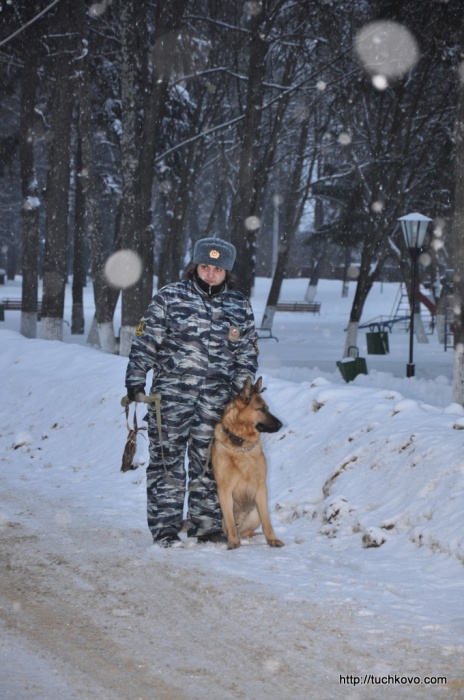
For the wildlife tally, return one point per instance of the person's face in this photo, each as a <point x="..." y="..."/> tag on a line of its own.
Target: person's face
<point x="211" y="274"/>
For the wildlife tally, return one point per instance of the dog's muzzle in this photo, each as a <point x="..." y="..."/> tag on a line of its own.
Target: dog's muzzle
<point x="270" y="427"/>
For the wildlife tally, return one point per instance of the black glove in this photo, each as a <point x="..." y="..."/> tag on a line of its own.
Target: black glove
<point x="132" y="392"/>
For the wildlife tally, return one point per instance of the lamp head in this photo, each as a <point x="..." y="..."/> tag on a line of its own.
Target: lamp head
<point x="414" y="229"/>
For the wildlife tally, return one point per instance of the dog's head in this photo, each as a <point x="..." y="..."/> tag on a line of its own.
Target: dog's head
<point x="257" y="408"/>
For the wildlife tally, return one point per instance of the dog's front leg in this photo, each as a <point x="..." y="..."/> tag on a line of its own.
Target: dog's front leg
<point x="226" y="502"/>
<point x="263" y="510"/>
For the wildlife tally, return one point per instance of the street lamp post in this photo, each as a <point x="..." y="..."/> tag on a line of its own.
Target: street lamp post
<point x="414" y="229"/>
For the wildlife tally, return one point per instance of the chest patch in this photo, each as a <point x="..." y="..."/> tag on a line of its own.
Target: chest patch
<point x="234" y="334"/>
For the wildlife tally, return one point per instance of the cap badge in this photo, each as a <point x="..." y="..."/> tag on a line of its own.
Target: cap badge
<point x="140" y="328"/>
<point x="214" y="254"/>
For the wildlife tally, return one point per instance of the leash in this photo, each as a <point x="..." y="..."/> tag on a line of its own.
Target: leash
<point x="205" y="468"/>
<point x="156" y="399"/>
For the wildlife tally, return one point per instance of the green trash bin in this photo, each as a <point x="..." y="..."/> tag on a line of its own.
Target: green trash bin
<point x="377" y="341"/>
<point x="352" y="365"/>
<point x="2" y="312"/>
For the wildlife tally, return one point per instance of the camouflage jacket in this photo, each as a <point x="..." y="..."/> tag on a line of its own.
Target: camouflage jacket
<point x="193" y="342"/>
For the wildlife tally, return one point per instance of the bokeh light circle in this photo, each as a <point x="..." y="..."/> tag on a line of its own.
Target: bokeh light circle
<point x="386" y="48"/>
<point x="123" y="269"/>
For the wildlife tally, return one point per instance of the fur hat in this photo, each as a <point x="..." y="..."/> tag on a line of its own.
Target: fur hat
<point x="214" y="251"/>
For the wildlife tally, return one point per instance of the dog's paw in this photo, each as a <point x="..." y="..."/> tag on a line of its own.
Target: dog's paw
<point x="275" y="543"/>
<point x="233" y="544"/>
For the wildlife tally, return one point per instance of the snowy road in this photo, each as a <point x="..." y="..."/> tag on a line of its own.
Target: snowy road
<point x="92" y="612"/>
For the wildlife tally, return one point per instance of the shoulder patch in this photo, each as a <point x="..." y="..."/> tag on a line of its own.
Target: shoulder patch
<point x="140" y="328"/>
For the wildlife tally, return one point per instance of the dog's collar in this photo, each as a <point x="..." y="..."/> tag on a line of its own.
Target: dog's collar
<point x="237" y="441"/>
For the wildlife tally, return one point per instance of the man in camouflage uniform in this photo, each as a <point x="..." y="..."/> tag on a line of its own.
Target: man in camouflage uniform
<point x="199" y="338"/>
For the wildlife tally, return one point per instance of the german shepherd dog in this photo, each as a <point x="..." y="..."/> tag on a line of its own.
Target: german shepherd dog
<point x="240" y="467"/>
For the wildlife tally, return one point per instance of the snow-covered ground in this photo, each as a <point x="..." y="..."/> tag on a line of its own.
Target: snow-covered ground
<point x="366" y="487"/>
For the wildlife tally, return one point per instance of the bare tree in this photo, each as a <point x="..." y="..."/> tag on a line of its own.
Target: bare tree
<point x="168" y="59"/>
<point x="30" y="193"/>
<point x="245" y="205"/>
<point x="133" y="300"/>
<point x="87" y="180"/>
<point x="63" y="51"/>
<point x="458" y="246"/>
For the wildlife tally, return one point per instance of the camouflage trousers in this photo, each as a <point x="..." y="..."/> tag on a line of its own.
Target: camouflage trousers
<point x="187" y="428"/>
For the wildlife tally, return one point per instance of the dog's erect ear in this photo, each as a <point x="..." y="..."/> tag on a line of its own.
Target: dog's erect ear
<point x="250" y="389"/>
<point x="247" y="390"/>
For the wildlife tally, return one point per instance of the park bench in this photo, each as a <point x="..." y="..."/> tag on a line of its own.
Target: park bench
<point x="16" y="305"/>
<point x="313" y="307"/>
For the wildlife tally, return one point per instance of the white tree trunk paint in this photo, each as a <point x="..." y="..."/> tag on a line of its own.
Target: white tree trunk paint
<point x="28" y="326"/>
<point x="107" y="338"/>
<point x="51" y="328"/>
<point x="351" y="336"/>
<point x="125" y="340"/>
